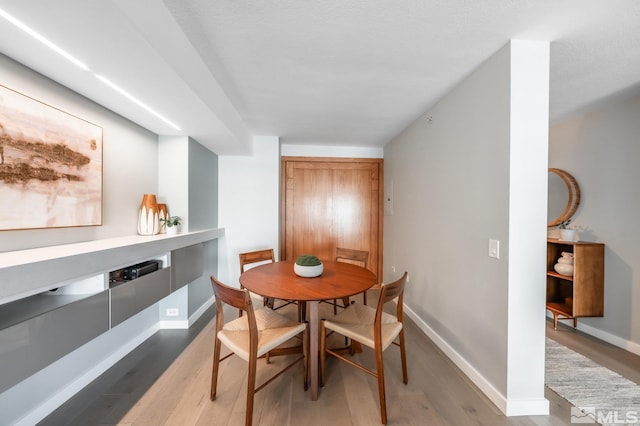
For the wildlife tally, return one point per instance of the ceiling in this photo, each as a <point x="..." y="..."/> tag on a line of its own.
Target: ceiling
<point x="324" y="72"/>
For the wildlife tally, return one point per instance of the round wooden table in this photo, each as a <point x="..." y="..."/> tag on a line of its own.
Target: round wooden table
<point x="338" y="280"/>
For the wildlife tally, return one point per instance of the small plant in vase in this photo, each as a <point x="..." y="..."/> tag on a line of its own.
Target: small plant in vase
<point x="566" y="233"/>
<point x="564" y="224"/>
<point x="172" y="223"/>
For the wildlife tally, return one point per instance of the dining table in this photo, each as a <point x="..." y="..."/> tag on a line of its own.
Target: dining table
<point x="279" y="281"/>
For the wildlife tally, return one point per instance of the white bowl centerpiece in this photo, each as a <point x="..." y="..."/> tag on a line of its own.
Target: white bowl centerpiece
<point x="308" y="266"/>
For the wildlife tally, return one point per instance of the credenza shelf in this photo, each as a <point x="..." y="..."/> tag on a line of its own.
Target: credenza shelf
<point x="581" y="294"/>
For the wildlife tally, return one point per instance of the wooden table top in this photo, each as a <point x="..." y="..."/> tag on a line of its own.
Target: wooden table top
<point x="277" y="280"/>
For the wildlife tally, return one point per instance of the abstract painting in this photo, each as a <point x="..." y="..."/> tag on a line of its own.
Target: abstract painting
<point x="50" y="166"/>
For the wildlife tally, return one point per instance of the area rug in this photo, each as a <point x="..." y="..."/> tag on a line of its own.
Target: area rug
<point x="600" y="395"/>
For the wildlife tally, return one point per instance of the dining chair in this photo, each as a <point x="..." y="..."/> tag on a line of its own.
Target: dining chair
<point x="373" y="328"/>
<point x="252" y="259"/>
<point x="251" y="337"/>
<point x="357" y="257"/>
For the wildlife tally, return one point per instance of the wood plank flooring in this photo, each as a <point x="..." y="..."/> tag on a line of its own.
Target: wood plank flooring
<point x="166" y="381"/>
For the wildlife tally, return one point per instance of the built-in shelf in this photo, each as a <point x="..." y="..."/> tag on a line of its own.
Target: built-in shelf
<point x="27" y="272"/>
<point x="56" y="299"/>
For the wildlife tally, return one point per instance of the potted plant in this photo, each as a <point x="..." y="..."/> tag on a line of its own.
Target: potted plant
<point x="308" y="266"/>
<point x="566" y="233"/>
<point x="172" y="223"/>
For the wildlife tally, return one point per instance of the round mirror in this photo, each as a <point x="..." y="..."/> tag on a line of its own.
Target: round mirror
<point x="563" y="197"/>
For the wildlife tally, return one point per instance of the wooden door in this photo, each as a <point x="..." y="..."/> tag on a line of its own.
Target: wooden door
<point x="331" y="202"/>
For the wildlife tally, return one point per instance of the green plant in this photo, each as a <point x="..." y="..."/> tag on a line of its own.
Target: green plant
<point x="564" y="224"/>
<point x="308" y="260"/>
<point x="171" y="221"/>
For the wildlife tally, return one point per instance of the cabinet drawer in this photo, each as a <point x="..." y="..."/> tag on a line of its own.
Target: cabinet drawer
<point x="187" y="265"/>
<point x="131" y="297"/>
<point x="33" y="344"/>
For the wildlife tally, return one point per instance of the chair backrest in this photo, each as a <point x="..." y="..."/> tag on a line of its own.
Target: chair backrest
<point x="360" y="257"/>
<point x="388" y="293"/>
<point x="247" y="258"/>
<point x="239" y="299"/>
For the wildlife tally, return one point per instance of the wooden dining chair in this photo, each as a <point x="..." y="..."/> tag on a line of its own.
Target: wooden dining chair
<point x="252" y="336"/>
<point x="254" y="258"/>
<point x="357" y="257"/>
<point x="373" y="328"/>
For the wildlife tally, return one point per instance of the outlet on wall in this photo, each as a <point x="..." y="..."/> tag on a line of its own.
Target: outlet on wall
<point x="173" y="312"/>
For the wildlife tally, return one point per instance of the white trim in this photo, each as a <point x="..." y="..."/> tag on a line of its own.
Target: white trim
<point x="618" y="341"/>
<point x="527" y="407"/>
<point x="173" y="325"/>
<point x="59" y="398"/>
<point x="507" y="406"/>
<point x="474" y="375"/>
<point x="201" y="310"/>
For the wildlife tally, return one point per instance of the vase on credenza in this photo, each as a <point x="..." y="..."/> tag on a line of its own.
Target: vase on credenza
<point x="148" y="220"/>
<point x="163" y="214"/>
<point x="565" y="264"/>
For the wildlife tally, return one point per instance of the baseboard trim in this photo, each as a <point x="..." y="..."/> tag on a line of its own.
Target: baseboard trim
<point x="625" y="344"/>
<point x="201" y="310"/>
<point x="509" y="407"/>
<point x="527" y="407"/>
<point x="474" y="375"/>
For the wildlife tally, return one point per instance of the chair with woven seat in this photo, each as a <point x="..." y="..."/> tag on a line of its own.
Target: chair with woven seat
<point x="260" y="257"/>
<point x="252" y="336"/>
<point x="373" y="328"/>
<point x="357" y="257"/>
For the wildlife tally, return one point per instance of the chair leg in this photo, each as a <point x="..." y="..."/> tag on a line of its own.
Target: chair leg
<point x="305" y="356"/>
<point x="323" y="355"/>
<point x="251" y="388"/>
<point x="364" y="297"/>
<point x="381" y="393"/>
<point x="302" y="311"/>
<point x="216" y="366"/>
<point x="403" y="358"/>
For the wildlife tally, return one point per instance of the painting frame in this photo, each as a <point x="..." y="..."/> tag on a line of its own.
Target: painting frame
<point x="51" y="166"/>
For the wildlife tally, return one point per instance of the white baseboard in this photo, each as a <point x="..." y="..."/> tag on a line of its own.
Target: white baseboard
<point x="200" y="311"/>
<point x="508" y="407"/>
<point x="625" y="344"/>
<point x="185" y="324"/>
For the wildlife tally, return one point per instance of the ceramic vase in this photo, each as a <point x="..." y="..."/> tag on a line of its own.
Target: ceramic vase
<point x="308" y="271"/>
<point x="148" y="223"/>
<point x="568" y="235"/>
<point x="163" y="214"/>
<point x="565" y="264"/>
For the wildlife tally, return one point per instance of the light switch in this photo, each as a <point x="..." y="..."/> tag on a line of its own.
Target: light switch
<point x="494" y="248"/>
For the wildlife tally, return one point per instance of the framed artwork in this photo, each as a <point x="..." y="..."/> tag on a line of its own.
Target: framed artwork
<point x="50" y="166"/>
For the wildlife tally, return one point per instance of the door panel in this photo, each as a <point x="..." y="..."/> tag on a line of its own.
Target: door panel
<point x="329" y="203"/>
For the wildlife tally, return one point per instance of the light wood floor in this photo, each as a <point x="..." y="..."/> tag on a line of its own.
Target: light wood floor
<point x="166" y="381"/>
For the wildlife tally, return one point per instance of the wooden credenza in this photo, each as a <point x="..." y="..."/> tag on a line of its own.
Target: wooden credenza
<point x="579" y="295"/>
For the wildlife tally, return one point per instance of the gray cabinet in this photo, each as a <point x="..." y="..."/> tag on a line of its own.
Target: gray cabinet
<point x="131" y="297"/>
<point x="37" y="331"/>
<point x="187" y="265"/>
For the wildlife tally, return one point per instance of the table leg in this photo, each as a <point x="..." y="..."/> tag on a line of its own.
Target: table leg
<point x="313" y="348"/>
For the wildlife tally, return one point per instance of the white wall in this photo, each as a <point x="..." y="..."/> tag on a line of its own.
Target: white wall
<point x="601" y="150"/>
<point x="249" y="188"/>
<point x="456" y="176"/>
